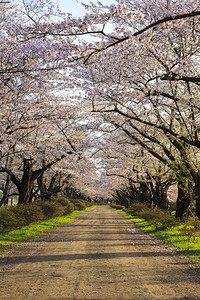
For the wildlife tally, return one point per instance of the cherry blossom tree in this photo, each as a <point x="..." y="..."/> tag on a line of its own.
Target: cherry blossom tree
<point x="37" y="117"/>
<point x="139" y="70"/>
<point x="145" y="74"/>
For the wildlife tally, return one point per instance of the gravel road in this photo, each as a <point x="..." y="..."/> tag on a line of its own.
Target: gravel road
<point x="100" y="255"/>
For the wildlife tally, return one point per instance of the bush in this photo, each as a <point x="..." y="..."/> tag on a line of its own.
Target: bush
<point x="21" y="215"/>
<point x="159" y="218"/>
<point x="18" y="216"/>
<point x="192" y="228"/>
<point x="8" y="220"/>
<point x="100" y="203"/>
<point x="136" y="208"/>
<point x="87" y="203"/>
<point x="162" y="220"/>
<point x="27" y="214"/>
<point x="79" y="204"/>
<point x="117" y="206"/>
<point x="66" y="203"/>
<point x="172" y="206"/>
<point x="51" y="209"/>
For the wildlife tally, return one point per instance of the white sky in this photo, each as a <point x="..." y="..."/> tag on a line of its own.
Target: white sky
<point x="75" y="8"/>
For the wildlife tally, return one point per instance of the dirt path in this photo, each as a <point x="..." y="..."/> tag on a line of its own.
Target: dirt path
<point x="100" y="255"/>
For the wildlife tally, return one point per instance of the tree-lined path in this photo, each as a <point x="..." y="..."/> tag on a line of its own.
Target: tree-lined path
<point x="100" y="255"/>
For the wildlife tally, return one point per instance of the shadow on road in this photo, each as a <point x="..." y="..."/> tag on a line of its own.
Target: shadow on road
<point x="41" y="258"/>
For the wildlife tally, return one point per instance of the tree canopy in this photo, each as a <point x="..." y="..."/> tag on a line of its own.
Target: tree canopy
<point x="110" y="100"/>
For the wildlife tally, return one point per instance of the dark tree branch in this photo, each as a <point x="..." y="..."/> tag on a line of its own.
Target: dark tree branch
<point x="145" y="146"/>
<point x="139" y="32"/>
<point x="161" y="127"/>
<point x="39" y="172"/>
<point x="122" y="176"/>
<point x="176" y="77"/>
<point x="154" y="140"/>
<point x="13" y="177"/>
<point x="19" y="128"/>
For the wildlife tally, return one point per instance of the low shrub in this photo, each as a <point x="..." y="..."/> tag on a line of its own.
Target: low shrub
<point x="159" y="218"/>
<point x="21" y="215"/>
<point x="66" y="203"/>
<point x="162" y="220"/>
<point x="192" y="228"/>
<point x="99" y="203"/>
<point x="27" y="214"/>
<point x="172" y="206"/>
<point x="136" y="208"/>
<point x="117" y="206"/>
<point x="8" y="220"/>
<point x="51" y="209"/>
<point x="79" y="204"/>
<point x="88" y="203"/>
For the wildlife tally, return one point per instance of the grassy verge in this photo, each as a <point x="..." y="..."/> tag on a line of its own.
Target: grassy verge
<point x="15" y="237"/>
<point x="174" y="237"/>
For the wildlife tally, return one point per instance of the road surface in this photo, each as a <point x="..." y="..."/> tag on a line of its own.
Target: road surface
<point x="100" y="255"/>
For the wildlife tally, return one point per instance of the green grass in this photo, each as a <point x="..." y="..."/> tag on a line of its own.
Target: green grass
<point x="15" y="237"/>
<point x="174" y="237"/>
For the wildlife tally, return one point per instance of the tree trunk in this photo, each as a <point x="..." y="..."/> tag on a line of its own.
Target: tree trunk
<point x="4" y="199"/>
<point x="197" y="195"/>
<point x="160" y="196"/>
<point x="164" y="202"/>
<point x="144" y="193"/>
<point x="183" y="200"/>
<point x="41" y="186"/>
<point x="25" y="192"/>
<point x="25" y="188"/>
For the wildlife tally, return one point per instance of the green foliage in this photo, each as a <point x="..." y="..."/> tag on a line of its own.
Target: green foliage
<point x="8" y="220"/>
<point x="157" y="217"/>
<point x="175" y="236"/>
<point x="99" y="203"/>
<point x="51" y="209"/>
<point x="172" y="207"/>
<point x="66" y="203"/>
<point x="79" y="204"/>
<point x="192" y="228"/>
<point x="21" y="215"/>
<point x="14" y="237"/>
<point x="27" y="213"/>
<point x="18" y="216"/>
<point x="136" y="208"/>
<point x="117" y="206"/>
